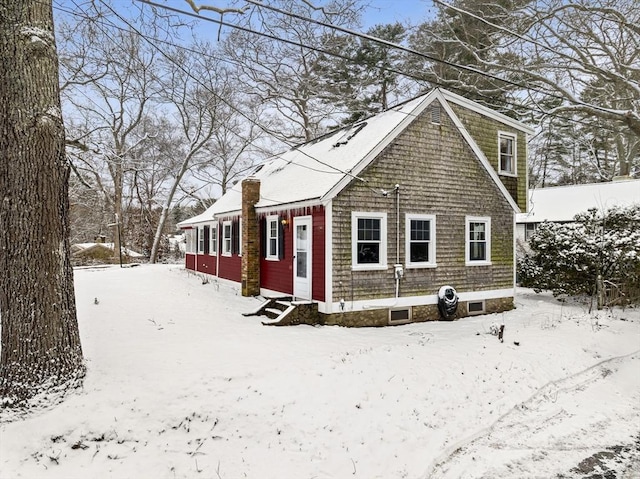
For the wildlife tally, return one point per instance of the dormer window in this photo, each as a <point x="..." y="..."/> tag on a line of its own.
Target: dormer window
<point x="507" y="153"/>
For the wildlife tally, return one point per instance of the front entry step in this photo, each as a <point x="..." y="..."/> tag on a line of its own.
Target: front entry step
<point x="283" y="311"/>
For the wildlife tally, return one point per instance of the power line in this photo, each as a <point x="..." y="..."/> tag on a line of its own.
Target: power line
<point x="319" y="50"/>
<point x="273" y="37"/>
<point x="382" y="42"/>
<point x="206" y="87"/>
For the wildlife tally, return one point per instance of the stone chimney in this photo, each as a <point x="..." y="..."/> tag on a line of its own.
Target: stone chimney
<point x="250" y="237"/>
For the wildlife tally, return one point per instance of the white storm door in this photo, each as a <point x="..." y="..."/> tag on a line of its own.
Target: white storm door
<point x="302" y="257"/>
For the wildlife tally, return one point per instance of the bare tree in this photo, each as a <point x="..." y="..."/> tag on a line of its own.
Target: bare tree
<point x="40" y="341"/>
<point x="198" y="90"/>
<point x="583" y="53"/>
<point x="109" y="80"/>
<point x="287" y="76"/>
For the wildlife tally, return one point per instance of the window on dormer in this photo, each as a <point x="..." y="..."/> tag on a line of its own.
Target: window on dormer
<point x="507" y="153"/>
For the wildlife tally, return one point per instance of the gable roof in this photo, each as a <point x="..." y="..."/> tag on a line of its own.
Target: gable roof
<point x="562" y="203"/>
<point x="316" y="171"/>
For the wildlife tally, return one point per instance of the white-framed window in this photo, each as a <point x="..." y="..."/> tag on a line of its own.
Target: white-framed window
<point x="420" y="241"/>
<point x="213" y="239"/>
<point x="273" y="240"/>
<point x="369" y="240"/>
<point x="190" y="240"/>
<point x="226" y="238"/>
<point x="200" y="239"/>
<point x="240" y="237"/>
<point x="507" y="152"/>
<point x="529" y="230"/>
<point x="478" y="240"/>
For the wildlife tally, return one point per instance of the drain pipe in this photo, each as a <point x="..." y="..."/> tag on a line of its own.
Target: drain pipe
<point x="397" y="188"/>
<point x="398" y="271"/>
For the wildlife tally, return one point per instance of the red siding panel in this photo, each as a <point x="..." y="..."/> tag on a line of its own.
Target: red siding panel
<point x="190" y="261"/>
<point x="202" y="263"/>
<point x="206" y="264"/>
<point x="278" y="275"/>
<point x="231" y="268"/>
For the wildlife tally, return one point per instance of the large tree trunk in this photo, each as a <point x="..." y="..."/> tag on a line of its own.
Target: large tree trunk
<point x="40" y="343"/>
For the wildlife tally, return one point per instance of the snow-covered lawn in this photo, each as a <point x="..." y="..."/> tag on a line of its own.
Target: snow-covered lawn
<point x="181" y="385"/>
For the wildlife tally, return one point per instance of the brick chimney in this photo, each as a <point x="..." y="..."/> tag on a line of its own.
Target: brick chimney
<point x="250" y="237"/>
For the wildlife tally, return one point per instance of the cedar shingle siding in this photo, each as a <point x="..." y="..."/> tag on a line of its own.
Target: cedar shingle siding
<point x="439" y="175"/>
<point x="485" y="132"/>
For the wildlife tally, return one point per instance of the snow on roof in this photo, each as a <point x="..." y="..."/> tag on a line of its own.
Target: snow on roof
<point x="309" y="171"/>
<point x="562" y="203"/>
<point x="81" y="247"/>
<point x="314" y="171"/>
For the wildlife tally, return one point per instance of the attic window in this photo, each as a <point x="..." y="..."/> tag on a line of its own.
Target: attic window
<point x="507" y="147"/>
<point x="353" y="131"/>
<point x="435" y="112"/>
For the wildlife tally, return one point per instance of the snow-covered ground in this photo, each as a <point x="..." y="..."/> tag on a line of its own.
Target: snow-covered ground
<point x="181" y="385"/>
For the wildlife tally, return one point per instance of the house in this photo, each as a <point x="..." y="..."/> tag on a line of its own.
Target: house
<point x="83" y="254"/>
<point x="368" y="222"/>
<point x="560" y="204"/>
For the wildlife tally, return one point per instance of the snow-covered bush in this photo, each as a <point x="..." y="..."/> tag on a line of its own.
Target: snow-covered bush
<point x="568" y="258"/>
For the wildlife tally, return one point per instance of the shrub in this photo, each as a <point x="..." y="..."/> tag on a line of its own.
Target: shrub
<point x="568" y="258"/>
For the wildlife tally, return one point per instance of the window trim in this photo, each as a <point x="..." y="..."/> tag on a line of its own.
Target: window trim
<point x="213" y="239"/>
<point x="432" y="241"/>
<point x="382" y="260"/>
<point x="227" y="241"/>
<point x="272" y="219"/>
<point x="190" y="239"/>
<point x="514" y="138"/>
<point x="467" y="242"/>
<point x="200" y="239"/>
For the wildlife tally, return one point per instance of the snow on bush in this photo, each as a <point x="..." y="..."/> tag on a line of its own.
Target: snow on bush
<point x="568" y="258"/>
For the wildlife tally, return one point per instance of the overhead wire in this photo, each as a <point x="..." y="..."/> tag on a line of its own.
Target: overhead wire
<point x="206" y="87"/>
<point x="382" y="42"/>
<point x="309" y="47"/>
<point x="319" y="50"/>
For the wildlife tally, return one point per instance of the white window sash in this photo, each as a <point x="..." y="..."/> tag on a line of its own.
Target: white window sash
<point x="487" y="240"/>
<point x="200" y="239"/>
<point x="382" y="256"/>
<point x="227" y="244"/>
<point x="272" y="238"/>
<point x="213" y="239"/>
<point x="514" y="142"/>
<point x="431" y="263"/>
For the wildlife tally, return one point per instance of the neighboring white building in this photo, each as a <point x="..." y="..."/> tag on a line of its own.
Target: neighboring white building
<point x="560" y="204"/>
